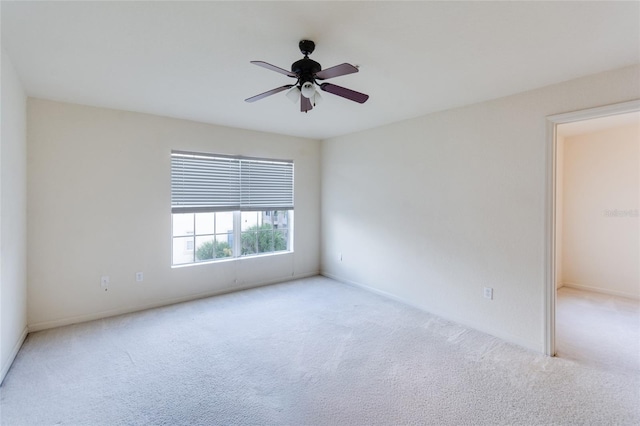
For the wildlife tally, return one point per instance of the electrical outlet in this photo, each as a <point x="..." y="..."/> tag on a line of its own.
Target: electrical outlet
<point x="139" y="276"/>
<point x="488" y="293"/>
<point x="104" y="282"/>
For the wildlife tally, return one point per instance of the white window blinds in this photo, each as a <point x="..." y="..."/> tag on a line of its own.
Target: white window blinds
<point x="205" y="182"/>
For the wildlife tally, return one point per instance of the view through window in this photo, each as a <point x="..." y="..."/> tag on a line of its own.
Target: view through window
<point x="199" y="237"/>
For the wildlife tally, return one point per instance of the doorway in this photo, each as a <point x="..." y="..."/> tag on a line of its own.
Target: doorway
<point x="579" y="293"/>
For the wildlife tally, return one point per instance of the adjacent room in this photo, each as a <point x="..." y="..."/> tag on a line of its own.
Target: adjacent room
<point x="598" y="246"/>
<point x="319" y="213"/>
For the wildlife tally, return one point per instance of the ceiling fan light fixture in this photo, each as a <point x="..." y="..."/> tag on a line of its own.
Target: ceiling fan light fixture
<point x="308" y="90"/>
<point x="293" y="94"/>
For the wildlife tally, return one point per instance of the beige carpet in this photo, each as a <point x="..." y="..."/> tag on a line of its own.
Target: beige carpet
<point x="598" y="329"/>
<point x="308" y="352"/>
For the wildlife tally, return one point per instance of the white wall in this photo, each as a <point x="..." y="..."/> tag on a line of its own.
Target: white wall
<point x="433" y="209"/>
<point x="13" y="205"/>
<point x="99" y="204"/>
<point x="601" y="244"/>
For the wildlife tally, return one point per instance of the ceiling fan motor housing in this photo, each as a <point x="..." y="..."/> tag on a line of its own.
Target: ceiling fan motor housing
<point x="305" y="69"/>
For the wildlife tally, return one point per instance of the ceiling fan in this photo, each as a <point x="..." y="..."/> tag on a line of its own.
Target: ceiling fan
<point x="308" y="72"/>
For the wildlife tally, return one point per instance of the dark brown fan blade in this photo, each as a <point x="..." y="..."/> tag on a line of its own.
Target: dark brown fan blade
<point x="338" y="70"/>
<point x="305" y="104"/>
<point x="274" y="68"/>
<point x="269" y="93"/>
<point x="344" y="92"/>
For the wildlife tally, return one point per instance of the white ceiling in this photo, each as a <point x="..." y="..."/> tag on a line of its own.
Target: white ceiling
<point x="191" y="59"/>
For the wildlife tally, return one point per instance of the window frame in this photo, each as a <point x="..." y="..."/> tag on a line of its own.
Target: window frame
<point x="259" y="192"/>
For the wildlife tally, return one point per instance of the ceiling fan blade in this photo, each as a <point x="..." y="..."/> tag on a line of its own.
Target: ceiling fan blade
<point x="274" y="68"/>
<point x="269" y="93"/>
<point x="344" y="92"/>
<point x="338" y="70"/>
<point x="305" y="104"/>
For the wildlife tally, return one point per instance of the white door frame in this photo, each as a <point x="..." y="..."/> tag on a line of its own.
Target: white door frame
<point x="550" y="217"/>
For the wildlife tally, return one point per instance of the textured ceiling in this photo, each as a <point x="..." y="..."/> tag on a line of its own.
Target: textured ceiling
<point x="191" y="59"/>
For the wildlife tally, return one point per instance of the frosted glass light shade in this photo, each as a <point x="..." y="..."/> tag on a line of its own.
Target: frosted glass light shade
<point x="316" y="98"/>
<point x="293" y="94"/>
<point x="308" y="90"/>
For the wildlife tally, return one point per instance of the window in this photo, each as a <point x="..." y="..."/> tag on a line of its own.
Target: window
<point x="228" y="207"/>
<point x="264" y="231"/>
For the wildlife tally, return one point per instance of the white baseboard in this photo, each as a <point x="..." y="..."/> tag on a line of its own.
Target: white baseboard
<point x="44" y="325"/>
<point x="601" y="290"/>
<point x="504" y="336"/>
<point x="14" y="353"/>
